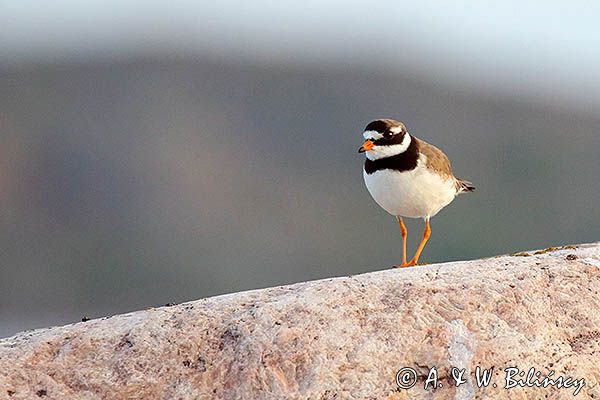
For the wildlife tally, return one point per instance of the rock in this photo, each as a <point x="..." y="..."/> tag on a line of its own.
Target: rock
<point x="342" y="338"/>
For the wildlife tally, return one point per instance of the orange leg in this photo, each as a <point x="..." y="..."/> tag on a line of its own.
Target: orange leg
<point x="426" y="235"/>
<point x="404" y="234"/>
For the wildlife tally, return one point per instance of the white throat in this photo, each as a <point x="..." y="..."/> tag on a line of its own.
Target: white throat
<point x="378" y="152"/>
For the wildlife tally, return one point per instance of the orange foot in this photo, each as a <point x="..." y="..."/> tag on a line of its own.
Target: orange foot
<point x="411" y="263"/>
<point x="408" y="264"/>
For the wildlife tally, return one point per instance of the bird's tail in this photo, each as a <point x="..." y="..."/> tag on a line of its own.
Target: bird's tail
<point x="464" y="186"/>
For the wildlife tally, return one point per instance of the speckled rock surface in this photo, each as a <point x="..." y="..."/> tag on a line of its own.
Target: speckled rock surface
<point x="342" y="338"/>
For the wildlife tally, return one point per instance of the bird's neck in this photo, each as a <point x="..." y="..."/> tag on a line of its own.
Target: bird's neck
<point x="403" y="161"/>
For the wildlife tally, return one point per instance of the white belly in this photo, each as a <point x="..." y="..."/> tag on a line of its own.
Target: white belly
<point x="413" y="194"/>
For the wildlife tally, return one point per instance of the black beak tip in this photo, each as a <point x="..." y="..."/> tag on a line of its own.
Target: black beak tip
<point x="361" y="149"/>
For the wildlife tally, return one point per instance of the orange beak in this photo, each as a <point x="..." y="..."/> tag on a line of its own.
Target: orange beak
<point x="367" y="145"/>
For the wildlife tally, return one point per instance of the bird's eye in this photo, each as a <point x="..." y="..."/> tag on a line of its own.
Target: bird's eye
<point x="387" y="135"/>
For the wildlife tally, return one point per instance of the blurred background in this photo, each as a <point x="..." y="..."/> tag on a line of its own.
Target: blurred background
<point x="155" y="152"/>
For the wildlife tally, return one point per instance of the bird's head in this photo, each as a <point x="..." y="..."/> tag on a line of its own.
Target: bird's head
<point x="384" y="138"/>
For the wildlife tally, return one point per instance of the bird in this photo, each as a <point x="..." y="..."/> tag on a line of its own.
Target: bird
<point x="407" y="177"/>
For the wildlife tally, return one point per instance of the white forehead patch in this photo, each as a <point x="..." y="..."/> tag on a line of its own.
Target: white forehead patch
<point x="372" y="135"/>
<point x="378" y="152"/>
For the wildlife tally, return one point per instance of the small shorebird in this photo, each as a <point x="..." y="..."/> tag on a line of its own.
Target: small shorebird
<point x="407" y="177"/>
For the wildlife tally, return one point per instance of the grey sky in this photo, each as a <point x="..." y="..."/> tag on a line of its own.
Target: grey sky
<point x="545" y="50"/>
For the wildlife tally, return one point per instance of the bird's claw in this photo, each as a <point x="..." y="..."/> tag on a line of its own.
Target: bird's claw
<point x="404" y="265"/>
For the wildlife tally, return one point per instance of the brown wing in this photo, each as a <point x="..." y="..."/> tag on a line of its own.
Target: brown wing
<point x="436" y="159"/>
